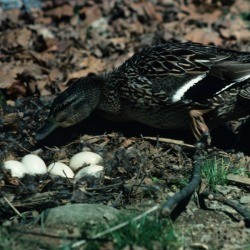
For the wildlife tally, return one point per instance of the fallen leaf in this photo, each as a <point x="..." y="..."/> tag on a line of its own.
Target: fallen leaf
<point x="17" y="89"/>
<point x="65" y="10"/>
<point x="55" y="75"/>
<point x="90" y="14"/>
<point x="95" y="64"/>
<point x="23" y="37"/>
<point x="205" y="36"/>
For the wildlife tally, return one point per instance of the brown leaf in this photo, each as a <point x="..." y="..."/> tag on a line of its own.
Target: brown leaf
<point x="205" y="36"/>
<point x="42" y="58"/>
<point x="23" y="37"/>
<point x="16" y="89"/>
<point x="81" y="73"/>
<point x="119" y="41"/>
<point x="150" y="11"/>
<point x="62" y="11"/>
<point x="18" y="37"/>
<point x="9" y="72"/>
<point x="95" y="64"/>
<point x="55" y="75"/>
<point x="138" y="7"/>
<point x="67" y="10"/>
<point x="207" y="13"/>
<point x="90" y="14"/>
<point x="235" y="28"/>
<point x="41" y="86"/>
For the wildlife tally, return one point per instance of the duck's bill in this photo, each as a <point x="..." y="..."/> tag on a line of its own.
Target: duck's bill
<point x="47" y="128"/>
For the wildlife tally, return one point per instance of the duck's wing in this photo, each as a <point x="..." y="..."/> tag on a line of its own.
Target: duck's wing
<point x="185" y="75"/>
<point x="220" y="77"/>
<point x="240" y="56"/>
<point x="160" y="61"/>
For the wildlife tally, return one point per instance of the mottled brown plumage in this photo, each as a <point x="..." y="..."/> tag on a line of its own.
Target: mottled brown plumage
<point x="168" y="86"/>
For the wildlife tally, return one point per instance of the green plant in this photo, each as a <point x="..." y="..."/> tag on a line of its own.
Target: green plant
<point x="4" y="239"/>
<point x="147" y="232"/>
<point x="215" y="171"/>
<point x="245" y="16"/>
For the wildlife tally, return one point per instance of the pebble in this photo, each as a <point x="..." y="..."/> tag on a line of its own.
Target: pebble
<point x="245" y="199"/>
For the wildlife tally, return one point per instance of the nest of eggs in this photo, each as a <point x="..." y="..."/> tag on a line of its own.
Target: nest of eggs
<point x="118" y="171"/>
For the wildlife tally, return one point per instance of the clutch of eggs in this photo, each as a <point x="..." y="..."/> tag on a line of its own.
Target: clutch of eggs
<point x="32" y="164"/>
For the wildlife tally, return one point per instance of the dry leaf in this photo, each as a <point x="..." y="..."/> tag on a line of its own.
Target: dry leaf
<point x="95" y="64"/>
<point x="205" y="36"/>
<point x="90" y="14"/>
<point x="55" y="75"/>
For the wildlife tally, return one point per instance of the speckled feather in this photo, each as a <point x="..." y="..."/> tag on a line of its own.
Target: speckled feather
<point x="143" y="87"/>
<point x="159" y="86"/>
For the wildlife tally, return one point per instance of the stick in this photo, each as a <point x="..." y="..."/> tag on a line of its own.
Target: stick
<point x="173" y="201"/>
<point x="237" y="207"/>
<point x="167" y="140"/>
<point x="14" y="209"/>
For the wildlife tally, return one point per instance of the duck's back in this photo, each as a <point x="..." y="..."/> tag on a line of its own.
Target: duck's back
<point x="166" y="80"/>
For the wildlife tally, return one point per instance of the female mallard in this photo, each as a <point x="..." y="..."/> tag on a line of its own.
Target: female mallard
<point x="169" y="86"/>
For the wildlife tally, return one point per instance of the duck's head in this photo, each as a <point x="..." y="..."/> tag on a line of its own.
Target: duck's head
<point x="73" y="105"/>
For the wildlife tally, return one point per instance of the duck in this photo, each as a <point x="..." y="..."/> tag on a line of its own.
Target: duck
<point x="167" y="86"/>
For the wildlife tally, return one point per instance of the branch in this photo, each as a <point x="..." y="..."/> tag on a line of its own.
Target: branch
<point x="173" y="201"/>
<point x="237" y="207"/>
<point x="13" y="208"/>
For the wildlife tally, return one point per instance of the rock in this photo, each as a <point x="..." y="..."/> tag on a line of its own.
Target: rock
<point x="228" y="190"/>
<point x="245" y="199"/>
<point x="80" y="215"/>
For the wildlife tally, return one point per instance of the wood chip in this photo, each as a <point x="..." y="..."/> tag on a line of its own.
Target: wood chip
<point x="239" y="179"/>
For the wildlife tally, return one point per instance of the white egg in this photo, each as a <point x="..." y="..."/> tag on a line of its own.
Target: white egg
<point x="34" y="164"/>
<point x="84" y="159"/>
<point x="60" y="169"/>
<point x="16" y="168"/>
<point x="93" y="170"/>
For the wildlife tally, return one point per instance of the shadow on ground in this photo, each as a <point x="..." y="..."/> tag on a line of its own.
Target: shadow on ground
<point x="223" y="137"/>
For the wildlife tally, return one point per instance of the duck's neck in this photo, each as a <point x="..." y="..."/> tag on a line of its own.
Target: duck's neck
<point x="110" y="98"/>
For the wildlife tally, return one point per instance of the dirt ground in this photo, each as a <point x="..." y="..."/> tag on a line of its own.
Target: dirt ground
<point x="41" y="49"/>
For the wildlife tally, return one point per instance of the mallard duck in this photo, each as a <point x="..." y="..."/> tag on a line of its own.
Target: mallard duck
<point x="168" y="86"/>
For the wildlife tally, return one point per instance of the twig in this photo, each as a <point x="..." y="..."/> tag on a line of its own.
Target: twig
<point x="14" y="209"/>
<point x="237" y="207"/>
<point x="105" y="187"/>
<point x="167" y="140"/>
<point x="112" y="229"/>
<point x="173" y="201"/>
<point x="20" y="146"/>
<point x="118" y="198"/>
